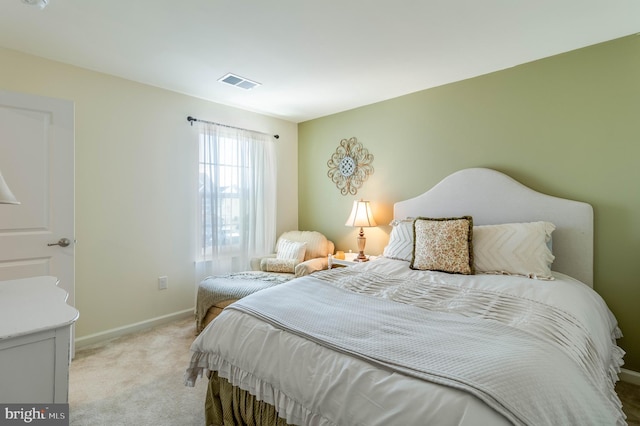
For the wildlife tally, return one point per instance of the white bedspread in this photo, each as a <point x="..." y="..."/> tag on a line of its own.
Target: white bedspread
<point x="314" y="384"/>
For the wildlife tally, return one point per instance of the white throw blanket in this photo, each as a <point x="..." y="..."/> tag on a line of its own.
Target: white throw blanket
<point x="513" y="344"/>
<point x="213" y="290"/>
<point x="499" y="364"/>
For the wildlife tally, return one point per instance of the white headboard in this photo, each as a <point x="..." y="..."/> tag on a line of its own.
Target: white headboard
<point x="491" y="197"/>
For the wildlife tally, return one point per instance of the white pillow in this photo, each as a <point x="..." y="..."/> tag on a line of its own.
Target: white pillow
<point x="291" y="250"/>
<point x="400" y="244"/>
<point x="514" y="249"/>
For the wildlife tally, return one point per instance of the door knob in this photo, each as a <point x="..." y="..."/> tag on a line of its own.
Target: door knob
<point x="62" y="242"/>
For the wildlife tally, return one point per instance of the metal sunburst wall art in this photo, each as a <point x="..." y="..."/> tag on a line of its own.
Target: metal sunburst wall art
<point x="350" y="166"/>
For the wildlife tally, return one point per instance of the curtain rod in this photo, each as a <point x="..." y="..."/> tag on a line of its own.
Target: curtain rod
<point x="191" y="119"/>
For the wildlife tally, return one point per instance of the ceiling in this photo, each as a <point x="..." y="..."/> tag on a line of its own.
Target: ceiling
<point x="312" y="58"/>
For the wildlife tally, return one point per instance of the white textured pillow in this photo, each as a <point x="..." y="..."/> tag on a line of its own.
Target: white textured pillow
<point x="400" y="244"/>
<point x="514" y="249"/>
<point x="291" y="250"/>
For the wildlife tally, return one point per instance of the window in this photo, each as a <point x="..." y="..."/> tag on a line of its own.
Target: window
<point x="236" y="202"/>
<point x="220" y="169"/>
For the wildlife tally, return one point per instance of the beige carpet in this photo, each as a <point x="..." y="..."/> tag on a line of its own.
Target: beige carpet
<point x="137" y="380"/>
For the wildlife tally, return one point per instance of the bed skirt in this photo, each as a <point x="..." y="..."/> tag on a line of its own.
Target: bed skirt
<point x="228" y="405"/>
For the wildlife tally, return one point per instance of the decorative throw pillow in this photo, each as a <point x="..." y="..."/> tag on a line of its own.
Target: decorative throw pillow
<point x="514" y="249"/>
<point x="400" y="244"/>
<point x="443" y="244"/>
<point x="288" y="249"/>
<point x="271" y="264"/>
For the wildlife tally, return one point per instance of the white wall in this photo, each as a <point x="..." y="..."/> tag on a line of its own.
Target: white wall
<point x="135" y="187"/>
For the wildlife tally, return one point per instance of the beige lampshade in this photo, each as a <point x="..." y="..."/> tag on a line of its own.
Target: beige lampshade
<point x="6" y="196"/>
<point x="361" y="215"/>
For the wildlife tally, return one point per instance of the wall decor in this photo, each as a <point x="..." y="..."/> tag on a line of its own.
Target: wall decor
<point x="350" y="166"/>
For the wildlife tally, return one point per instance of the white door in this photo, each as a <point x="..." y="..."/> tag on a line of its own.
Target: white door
<point x="37" y="162"/>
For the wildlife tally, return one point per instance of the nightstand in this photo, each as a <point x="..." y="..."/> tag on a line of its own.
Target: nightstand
<point x="349" y="259"/>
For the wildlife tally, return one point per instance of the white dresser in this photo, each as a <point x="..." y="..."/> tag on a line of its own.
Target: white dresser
<point x="35" y="341"/>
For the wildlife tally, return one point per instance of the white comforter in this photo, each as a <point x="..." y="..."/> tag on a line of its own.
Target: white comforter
<point x="311" y="384"/>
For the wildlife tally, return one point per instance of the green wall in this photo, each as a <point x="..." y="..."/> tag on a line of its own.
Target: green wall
<point x="567" y="126"/>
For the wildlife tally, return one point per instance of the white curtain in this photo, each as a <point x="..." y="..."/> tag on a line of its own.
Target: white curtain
<point x="236" y="199"/>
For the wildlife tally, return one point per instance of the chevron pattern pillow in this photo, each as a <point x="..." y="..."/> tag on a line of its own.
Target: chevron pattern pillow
<point x="400" y="244"/>
<point x="514" y="249"/>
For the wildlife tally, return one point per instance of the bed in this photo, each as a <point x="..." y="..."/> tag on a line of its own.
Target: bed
<point x="480" y="311"/>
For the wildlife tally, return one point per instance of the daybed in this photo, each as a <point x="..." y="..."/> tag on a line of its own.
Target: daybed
<point x="499" y="338"/>
<point x="297" y="253"/>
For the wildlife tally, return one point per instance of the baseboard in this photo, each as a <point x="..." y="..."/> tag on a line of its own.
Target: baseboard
<point x="102" y="336"/>
<point x="629" y="376"/>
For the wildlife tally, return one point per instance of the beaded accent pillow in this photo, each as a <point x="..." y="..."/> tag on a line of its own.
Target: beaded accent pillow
<point x="443" y="244"/>
<point x="271" y="264"/>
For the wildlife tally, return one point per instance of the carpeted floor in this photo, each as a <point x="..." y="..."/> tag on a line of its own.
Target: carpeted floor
<point x="137" y="380"/>
<point x="630" y="396"/>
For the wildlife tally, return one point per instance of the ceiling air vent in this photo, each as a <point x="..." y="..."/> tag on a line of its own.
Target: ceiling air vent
<point x="236" y="80"/>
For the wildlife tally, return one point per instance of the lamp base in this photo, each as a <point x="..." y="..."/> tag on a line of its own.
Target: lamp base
<point x="361" y="258"/>
<point x="361" y="243"/>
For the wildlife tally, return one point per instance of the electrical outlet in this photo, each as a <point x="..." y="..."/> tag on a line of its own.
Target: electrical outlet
<point x="163" y="283"/>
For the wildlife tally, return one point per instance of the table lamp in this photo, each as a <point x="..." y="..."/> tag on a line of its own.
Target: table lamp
<point x="361" y="216"/>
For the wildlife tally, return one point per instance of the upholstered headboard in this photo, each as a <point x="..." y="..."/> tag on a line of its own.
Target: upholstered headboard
<point x="491" y="197"/>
